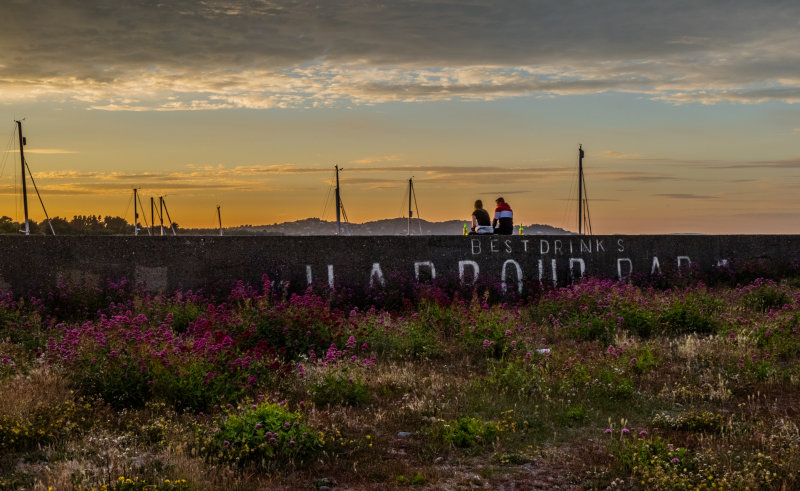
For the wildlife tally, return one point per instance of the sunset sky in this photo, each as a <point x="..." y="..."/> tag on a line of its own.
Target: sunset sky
<point x="689" y="111"/>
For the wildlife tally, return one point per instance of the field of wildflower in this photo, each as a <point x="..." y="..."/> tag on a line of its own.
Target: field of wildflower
<point x="594" y="386"/>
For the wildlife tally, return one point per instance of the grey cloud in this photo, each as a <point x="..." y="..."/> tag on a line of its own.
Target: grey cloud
<point x="260" y="53"/>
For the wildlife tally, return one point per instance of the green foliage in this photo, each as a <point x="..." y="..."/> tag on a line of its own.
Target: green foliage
<point x="638" y="320"/>
<point x="764" y="295"/>
<point x="119" y="381"/>
<point x="575" y="415"/>
<point x="195" y="385"/>
<point x="612" y="385"/>
<point x="415" y="480"/>
<point x="412" y="340"/>
<point x="340" y="387"/>
<point x="465" y="432"/>
<point x="597" y="327"/>
<point x="645" y="360"/>
<point x="266" y="434"/>
<point x="514" y="375"/>
<point x="684" y="319"/>
<point x="634" y="454"/>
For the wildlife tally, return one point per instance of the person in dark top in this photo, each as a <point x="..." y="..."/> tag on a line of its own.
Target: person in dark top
<point x="503" y="222"/>
<point x="481" y="223"/>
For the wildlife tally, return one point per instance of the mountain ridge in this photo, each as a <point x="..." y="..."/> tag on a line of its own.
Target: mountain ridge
<point x="390" y="226"/>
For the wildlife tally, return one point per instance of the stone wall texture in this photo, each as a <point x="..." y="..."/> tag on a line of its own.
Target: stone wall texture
<point x="32" y="264"/>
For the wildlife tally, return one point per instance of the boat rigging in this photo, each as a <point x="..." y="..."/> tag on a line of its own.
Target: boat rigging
<point x="24" y="164"/>
<point x="584" y="220"/>
<point x="412" y="194"/>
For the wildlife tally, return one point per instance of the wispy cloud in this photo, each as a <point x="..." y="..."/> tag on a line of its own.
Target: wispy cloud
<point x="44" y="151"/>
<point x="685" y="196"/>
<point x="614" y="155"/>
<point x="378" y="160"/>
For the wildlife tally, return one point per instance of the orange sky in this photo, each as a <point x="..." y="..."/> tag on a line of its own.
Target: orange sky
<point x="689" y="116"/>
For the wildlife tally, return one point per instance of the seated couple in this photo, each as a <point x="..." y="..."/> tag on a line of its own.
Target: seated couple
<point x="502" y="224"/>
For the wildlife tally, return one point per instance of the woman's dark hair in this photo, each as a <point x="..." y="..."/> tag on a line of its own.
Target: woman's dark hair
<point x="500" y="200"/>
<point x="478" y="204"/>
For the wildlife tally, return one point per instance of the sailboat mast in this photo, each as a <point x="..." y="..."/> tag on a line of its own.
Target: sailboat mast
<point x="161" y="214"/>
<point x="410" y="190"/>
<point x="338" y="204"/>
<point x="152" y="214"/>
<point x="135" y="214"/>
<point x="219" y="217"/>
<point x="580" y="189"/>
<point x="27" y="229"/>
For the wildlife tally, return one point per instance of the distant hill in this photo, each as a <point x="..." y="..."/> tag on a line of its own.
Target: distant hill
<point x="393" y="226"/>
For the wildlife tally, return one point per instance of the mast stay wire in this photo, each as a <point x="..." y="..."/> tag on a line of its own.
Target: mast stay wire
<point x="586" y="218"/>
<point x="169" y="218"/>
<point x="33" y="181"/>
<point x="419" y="219"/>
<point x="344" y="213"/>
<point x="144" y="215"/>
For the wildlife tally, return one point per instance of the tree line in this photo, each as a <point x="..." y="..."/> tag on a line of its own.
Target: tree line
<point x="78" y="225"/>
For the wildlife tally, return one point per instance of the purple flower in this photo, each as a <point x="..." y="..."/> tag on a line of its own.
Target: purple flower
<point x="625" y="431"/>
<point x="675" y="460"/>
<point x="643" y="433"/>
<point x="226" y="443"/>
<point x="608" y="431"/>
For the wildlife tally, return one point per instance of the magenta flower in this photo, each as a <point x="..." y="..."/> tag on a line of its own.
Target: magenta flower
<point x="608" y="431"/>
<point x="625" y="431"/>
<point x="643" y="433"/>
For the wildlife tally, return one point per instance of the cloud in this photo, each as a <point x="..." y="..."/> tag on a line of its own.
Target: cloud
<point x="614" y="155"/>
<point x="377" y="160"/>
<point x="636" y="176"/>
<point x="685" y="196"/>
<point x="187" y="55"/>
<point x="260" y="178"/>
<point x="44" y="151"/>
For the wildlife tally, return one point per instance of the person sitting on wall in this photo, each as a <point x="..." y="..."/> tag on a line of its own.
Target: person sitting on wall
<point x="481" y="223"/>
<point x="503" y="222"/>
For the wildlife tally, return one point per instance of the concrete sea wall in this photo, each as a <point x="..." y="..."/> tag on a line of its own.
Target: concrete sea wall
<point x="33" y="264"/>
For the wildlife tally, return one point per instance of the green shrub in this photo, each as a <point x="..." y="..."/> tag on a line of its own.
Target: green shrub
<point x="266" y="434"/>
<point x="340" y="387"/>
<point x="465" y="432"/>
<point x="686" y="318"/>
<point x="764" y="295"/>
<point x="638" y="321"/>
<point x="633" y="455"/>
